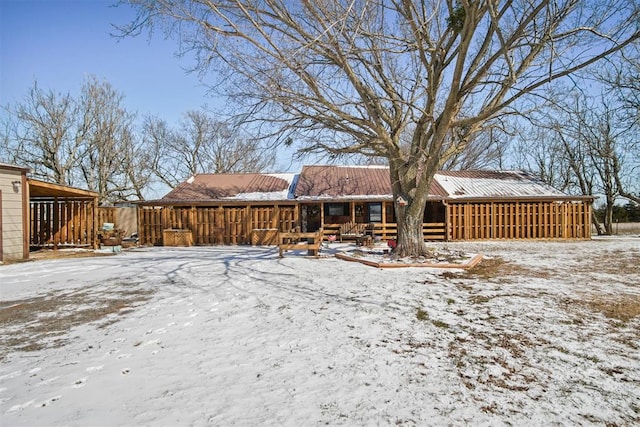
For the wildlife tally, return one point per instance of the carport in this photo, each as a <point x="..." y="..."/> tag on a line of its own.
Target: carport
<point x="62" y="216"/>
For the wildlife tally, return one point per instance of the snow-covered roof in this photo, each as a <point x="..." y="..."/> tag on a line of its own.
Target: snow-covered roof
<point x="498" y="184"/>
<point x="326" y="183"/>
<point x="233" y="187"/>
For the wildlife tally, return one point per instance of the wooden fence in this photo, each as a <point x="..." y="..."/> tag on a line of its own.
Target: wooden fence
<point x="520" y="220"/>
<point x="215" y="225"/>
<point x="56" y="223"/>
<point x="464" y="221"/>
<point x="107" y="214"/>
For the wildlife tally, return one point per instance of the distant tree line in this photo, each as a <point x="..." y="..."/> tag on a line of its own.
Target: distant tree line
<point x="629" y="212"/>
<point x="91" y="141"/>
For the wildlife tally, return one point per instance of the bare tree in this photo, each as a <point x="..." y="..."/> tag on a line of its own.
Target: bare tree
<point x="106" y="165"/>
<point x="624" y="82"/>
<point x="202" y="144"/>
<point x="46" y="132"/>
<point x="587" y="147"/>
<point x="86" y="141"/>
<point x="351" y="76"/>
<point x="484" y="149"/>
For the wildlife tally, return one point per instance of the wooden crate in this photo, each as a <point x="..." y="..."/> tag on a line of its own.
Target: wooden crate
<point x="177" y="237"/>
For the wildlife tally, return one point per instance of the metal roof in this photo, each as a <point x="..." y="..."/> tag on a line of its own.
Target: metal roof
<point x="339" y="182"/>
<point x="228" y="187"/>
<point x="489" y="184"/>
<point x="323" y="183"/>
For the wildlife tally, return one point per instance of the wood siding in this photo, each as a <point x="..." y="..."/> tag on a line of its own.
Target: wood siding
<point x="233" y="225"/>
<point x="13" y="227"/>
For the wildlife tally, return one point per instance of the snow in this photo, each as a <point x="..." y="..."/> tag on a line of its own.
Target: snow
<point x="286" y="194"/>
<point x="238" y="336"/>
<point x="518" y="185"/>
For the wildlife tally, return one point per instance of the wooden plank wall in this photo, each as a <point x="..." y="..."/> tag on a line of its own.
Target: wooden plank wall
<point x="520" y="220"/>
<point x="230" y="225"/>
<point x="106" y="214"/>
<point x="56" y="223"/>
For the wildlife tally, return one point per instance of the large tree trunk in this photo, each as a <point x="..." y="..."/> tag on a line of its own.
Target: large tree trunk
<point x="410" y="237"/>
<point x="410" y="190"/>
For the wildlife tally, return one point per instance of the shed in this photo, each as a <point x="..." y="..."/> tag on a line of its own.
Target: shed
<point x="62" y="216"/>
<point x="14" y="212"/>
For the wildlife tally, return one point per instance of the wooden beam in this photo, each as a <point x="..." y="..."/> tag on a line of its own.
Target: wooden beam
<point x="26" y="211"/>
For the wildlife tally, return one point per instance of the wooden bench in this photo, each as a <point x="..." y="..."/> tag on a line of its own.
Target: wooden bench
<point x="351" y="230"/>
<point x="291" y="241"/>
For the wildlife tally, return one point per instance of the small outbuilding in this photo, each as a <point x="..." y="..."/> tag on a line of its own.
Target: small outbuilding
<point x="14" y="213"/>
<point x="62" y="216"/>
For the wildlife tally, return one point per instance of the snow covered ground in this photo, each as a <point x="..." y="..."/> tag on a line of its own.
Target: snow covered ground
<point x="540" y="333"/>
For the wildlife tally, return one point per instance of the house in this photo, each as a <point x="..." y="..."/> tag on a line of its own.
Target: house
<point x="14" y="213"/>
<point x="461" y="205"/>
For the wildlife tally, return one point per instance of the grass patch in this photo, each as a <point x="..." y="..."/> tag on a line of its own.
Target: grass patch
<point x="422" y="315"/>
<point x="479" y="299"/>
<point x="622" y="308"/>
<point x="497" y="270"/>
<point x="440" y="324"/>
<point x="619" y="263"/>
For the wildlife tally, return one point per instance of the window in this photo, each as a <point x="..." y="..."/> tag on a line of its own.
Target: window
<point x="337" y="209"/>
<point x="375" y="212"/>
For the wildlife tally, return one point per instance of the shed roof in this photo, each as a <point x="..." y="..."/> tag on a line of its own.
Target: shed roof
<point x="233" y="187"/>
<point x="48" y="190"/>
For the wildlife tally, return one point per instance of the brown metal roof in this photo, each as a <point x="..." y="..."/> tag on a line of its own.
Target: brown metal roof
<point x="342" y="182"/>
<point x="327" y="182"/>
<point x="207" y="187"/>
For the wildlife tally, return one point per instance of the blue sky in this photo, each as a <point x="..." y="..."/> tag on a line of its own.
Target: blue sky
<point x="60" y="42"/>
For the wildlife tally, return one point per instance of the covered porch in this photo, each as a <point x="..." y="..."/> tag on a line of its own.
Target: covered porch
<point x="329" y="216"/>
